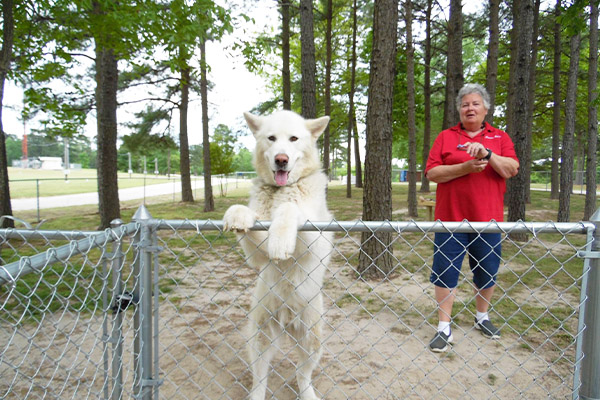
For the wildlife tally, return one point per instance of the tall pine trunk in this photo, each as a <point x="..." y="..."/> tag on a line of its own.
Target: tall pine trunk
<point x="285" y="54"/>
<point x="375" y="258"/>
<point x="557" y="98"/>
<point x="518" y="106"/>
<point x="209" y="201"/>
<point x="567" y="158"/>
<point x="351" y="116"/>
<point x="357" y="163"/>
<point x="184" y="149"/>
<point x="454" y="64"/>
<point x="526" y="163"/>
<point x="427" y="94"/>
<point x="308" y="64"/>
<point x="592" y="156"/>
<point x="326" y="134"/>
<point x="411" y="114"/>
<point x="8" y="29"/>
<point x="491" y="78"/>
<point x="107" y="75"/>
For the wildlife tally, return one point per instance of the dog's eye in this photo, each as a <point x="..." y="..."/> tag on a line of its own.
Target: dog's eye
<point x="272" y="138"/>
<point x="293" y="139"/>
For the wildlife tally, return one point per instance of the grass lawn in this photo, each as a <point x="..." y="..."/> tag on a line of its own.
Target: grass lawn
<point x="25" y="183"/>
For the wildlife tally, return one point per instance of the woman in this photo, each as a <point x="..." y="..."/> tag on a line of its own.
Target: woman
<point x="470" y="162"/>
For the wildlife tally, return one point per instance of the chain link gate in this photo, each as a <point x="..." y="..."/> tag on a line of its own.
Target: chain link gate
<point x="157" y="309"/>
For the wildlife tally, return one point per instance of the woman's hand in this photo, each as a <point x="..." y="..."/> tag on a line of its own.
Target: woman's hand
<point x="445" y="173"/>
<point x="475" y="165"/>
<point x="475" y="150"/>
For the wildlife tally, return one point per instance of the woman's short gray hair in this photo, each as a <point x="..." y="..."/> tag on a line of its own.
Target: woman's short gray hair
<point x="471" y="88"/>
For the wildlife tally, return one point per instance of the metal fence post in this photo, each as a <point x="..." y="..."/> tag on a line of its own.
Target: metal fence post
<point x="37" y="198"/>
<point x="117" y="322"/>
<point x="590" y="366"/>
<point x="143" y="375"/>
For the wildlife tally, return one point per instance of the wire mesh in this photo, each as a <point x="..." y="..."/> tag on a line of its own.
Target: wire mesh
<point x="61" y="324"/>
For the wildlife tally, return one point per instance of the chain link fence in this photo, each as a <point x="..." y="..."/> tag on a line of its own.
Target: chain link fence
<point x="157" y="309"/>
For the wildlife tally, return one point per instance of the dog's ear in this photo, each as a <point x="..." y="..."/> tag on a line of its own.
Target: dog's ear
<point x="254" y="122"/>
<point x="317" y="126"/>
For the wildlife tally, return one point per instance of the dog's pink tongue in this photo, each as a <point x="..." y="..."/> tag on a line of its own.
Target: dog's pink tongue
<point x="281" y="177"/>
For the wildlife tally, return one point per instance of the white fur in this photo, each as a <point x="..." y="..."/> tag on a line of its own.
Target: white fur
<point x="287" y="299"/>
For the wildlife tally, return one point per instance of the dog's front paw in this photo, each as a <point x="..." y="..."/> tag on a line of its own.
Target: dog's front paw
<point x="239" y="218"/>
<point x="282" y="242"/>
<point x="309" y="396"/>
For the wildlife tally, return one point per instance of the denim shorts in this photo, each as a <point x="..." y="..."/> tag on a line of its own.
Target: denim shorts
<point x="484" y="251"/>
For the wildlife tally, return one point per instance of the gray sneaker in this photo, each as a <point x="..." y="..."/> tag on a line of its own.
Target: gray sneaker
<point x="488" y="329"/>
<point x="440" y="342"/>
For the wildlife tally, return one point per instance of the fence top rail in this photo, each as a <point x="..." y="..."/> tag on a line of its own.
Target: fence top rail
<point x="394" y="226"/>
<point x="15" y="233"/>
<point x="11" y="272"/>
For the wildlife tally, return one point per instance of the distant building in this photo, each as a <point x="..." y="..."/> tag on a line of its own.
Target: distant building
<point x="51" y="163"/>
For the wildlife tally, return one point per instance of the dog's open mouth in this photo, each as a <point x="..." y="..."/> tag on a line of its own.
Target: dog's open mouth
<point x="281" y="177"/>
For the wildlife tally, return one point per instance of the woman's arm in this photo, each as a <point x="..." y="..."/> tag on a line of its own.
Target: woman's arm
<point x="445" y="173"/>
<point x="506" y="167"/>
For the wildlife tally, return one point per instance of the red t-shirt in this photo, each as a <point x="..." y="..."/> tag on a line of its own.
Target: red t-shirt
<point x="475" y="196"/>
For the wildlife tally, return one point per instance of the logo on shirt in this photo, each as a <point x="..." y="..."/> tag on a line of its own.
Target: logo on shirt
<point x="493" y="137"/>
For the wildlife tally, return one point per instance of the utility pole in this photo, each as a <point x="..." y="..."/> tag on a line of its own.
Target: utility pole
<point x="129" y="170"/>
<point x="66" y="159"/>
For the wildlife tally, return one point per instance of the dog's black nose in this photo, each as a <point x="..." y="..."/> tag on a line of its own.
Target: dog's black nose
<point x="281" y="160"/>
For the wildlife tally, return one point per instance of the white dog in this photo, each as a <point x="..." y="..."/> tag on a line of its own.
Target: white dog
<point x="289" y="190"/>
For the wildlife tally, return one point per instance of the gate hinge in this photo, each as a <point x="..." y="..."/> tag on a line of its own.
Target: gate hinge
<point x="588" y="254"/>
<point x="146" y="245"/>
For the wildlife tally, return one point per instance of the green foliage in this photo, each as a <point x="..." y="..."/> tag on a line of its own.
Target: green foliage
<point x="13" y="149"/>
<point x="222" y="150"/>
<point x="242" y="161"/>
<point x="143" y="141"/>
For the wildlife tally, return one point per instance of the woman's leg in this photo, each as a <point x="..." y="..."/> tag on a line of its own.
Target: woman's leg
<point x="445" y="300"/>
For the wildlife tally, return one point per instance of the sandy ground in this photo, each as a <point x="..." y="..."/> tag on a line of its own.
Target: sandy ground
<point x="375" y="342"/>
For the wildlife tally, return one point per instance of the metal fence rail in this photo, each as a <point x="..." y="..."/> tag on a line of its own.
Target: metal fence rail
<point x="157" y="309"/>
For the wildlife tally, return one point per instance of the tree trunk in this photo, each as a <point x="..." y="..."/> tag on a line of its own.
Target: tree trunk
<point x="491" y="78"/>
<point x="326" y="135"/>
<point x="285" y="54"/>
<point x="308" y="65"/>
<point x="209" y="202"/>
<point x="556" y="117"/>
<point x="349" y="136"/>
<point x="454" y="64"/>
<point x="566" y="165"/>
<point x="592" y="156"/>
<point x="351" y="117"/>
<point x="427" y="94"/>
<point x="357" y="163"/>
<point x="579" y="162"/>
<point x="375" y="258"/>
<point x="411" y="114"/>
<point x="184" y="149"/>
<point x="107" y="74"/>
<point x="526" y="163"/>
<point x="8" y="30"/>
<point x="518" y="108"/>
